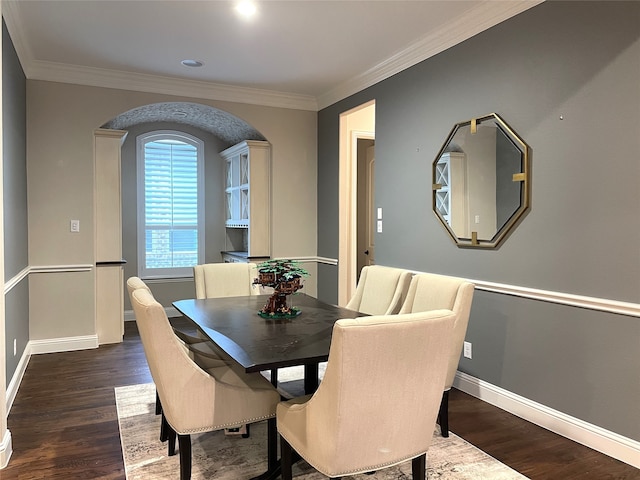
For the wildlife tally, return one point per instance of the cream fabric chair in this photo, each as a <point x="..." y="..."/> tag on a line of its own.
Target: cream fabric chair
<point x="430" y="291"/>
<point x="213" y="280"/>
<point x="377" y="403"/>
<point x="380" y="291"/>
<point x="204" y="352"/>
<point x="195" y="400"/>
<point x="198" y="350"/>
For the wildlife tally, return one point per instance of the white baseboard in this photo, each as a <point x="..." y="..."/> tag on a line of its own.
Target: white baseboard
<point x="16" y="379"/>
<point x="604" y="441"/>
<point x="6" y="449"/>
<point x="65" y="344"/>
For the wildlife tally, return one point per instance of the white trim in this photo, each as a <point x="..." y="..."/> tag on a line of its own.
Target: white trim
<point x="6" y="449"/>
<point x="582" y="301"/>
<point x="561" y="298"/>
<point x="140" y="82"/>
<point x="482" y="17"/>
<point x="330" y="261"/>
<point x="16" y="280"/>
<point x="141" y="142"/>
<point x="63" y="344"/>
<point x="604" y="441"/>
<point x="479" y="18"/>
<point x="61" y="268"/>
<point x="16" y="379"/>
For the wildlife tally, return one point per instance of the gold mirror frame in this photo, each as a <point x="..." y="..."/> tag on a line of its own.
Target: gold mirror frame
<point x="479" y="154"/>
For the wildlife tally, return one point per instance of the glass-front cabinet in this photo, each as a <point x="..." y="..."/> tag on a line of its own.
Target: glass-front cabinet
<point x="247" y="198"/>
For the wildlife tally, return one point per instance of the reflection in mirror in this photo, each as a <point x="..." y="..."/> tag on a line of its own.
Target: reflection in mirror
<point x="481" y="181"/>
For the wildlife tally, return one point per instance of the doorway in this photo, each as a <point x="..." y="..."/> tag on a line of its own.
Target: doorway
<point x="365" y="154"/>
<point x="357" y="127"/>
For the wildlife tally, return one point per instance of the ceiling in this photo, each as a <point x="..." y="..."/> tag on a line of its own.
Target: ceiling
<point x="301" y="54"/>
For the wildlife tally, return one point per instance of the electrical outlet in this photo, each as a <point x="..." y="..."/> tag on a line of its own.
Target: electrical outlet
<point x="467" y="350"/>
<point x="74" y="226"/>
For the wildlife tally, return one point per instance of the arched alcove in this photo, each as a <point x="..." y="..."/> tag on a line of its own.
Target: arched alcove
<point x="227" y="127"/>
<point x="219" y="130"/>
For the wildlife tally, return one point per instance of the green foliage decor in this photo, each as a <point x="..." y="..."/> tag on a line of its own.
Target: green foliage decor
<point x="283" y="276"/>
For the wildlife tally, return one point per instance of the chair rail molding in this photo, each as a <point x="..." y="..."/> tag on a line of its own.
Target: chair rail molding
<point x="582" y="301"/>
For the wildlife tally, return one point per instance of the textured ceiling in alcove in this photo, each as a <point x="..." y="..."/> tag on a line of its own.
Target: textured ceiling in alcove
<point x="229" y="128"/>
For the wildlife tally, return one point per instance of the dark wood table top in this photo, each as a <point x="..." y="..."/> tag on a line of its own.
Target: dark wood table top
<point x="261" y="344"/>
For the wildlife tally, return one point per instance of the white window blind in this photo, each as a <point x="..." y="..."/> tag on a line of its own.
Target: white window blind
<point x="170" y="193"/>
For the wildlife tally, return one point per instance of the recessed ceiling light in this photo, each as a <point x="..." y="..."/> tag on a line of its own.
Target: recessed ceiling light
<point x="246" y="8"/>
<point x="192" y="63"/>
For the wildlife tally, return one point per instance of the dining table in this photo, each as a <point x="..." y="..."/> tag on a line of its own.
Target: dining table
<point x="260" y="344"/>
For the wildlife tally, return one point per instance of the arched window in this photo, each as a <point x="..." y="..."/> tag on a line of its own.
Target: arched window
<point x="170" y="204"/>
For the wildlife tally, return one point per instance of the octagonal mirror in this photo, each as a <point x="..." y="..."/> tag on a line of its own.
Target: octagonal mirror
<point x="481" y="182"/>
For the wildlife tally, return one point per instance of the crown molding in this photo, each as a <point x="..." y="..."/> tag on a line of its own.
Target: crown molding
<point x="482" y="17"/>
<point x="141" y="82"/>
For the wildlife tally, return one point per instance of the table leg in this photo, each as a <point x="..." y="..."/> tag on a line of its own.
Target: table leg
<point x="310" y="378"/>
<point x="273" y="465"/>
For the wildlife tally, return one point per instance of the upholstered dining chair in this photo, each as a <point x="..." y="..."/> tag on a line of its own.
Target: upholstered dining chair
<point x="213" y="280"/>
<point x="205" y="352"/>
<point x="429" y="291"/>
<point x="200" y="351"/>
<point x="196" y="400"/>
<point x="216" y="280"/>
<point x="377" y="403"/>
<point x="380" y="290"/>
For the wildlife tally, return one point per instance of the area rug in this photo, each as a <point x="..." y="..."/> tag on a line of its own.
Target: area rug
<point x="231" y="457"/>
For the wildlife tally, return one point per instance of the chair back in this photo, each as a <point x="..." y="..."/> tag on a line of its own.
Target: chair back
<point x="134" y="283"/>
<point x="193" y="400"/>
<point x="213" y="280"/>
<point x="378" y="401"/>
<point x="380" y="291"/>
<point x="429" y="291"/>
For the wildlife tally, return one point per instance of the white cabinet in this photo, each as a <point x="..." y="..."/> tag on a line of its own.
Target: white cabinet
<point x="248" y="198"/>
<point x="109" y="281"/>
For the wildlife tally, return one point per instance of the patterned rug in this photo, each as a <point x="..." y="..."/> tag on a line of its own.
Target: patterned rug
<point x="230" y="457"/>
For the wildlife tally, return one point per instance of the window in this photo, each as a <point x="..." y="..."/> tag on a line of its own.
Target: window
<point x="170" y="204"/>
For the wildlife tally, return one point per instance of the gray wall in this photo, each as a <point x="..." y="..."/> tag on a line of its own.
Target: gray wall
<point x="167" y="292"/>
<point x="15" y="202"/>
<point x="578" y="60"/>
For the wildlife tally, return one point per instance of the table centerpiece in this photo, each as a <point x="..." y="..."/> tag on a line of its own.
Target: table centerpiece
<point x="285" y="277"/>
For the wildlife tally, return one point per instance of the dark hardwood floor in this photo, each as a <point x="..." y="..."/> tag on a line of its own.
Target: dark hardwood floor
<point x="64" y="426"/>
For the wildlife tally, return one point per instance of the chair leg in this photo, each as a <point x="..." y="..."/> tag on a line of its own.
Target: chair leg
<point x="164" y="429"/>
<point x="248" y="434"/>
<point x="272" y="444"/>
<point x="171" y="444"/>
<point x="184" y="443"/>
<point x="443" y="414"/>
<point x="286" y="455"/>
<point x="158" y="404"/>
<point x="419" y="467"/>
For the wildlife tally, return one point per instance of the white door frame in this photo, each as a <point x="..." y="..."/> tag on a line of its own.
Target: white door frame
<point x="347" y="204"/>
